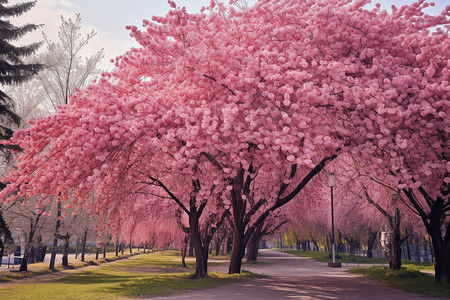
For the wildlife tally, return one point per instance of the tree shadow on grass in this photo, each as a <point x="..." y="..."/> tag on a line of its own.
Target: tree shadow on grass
<point x="94" y="278"/>
<point x="165" y="284"/>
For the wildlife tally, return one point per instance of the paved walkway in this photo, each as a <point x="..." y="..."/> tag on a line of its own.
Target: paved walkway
<point x="292" y="277"/>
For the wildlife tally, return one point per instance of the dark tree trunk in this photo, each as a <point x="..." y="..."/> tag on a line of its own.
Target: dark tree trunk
<point x="2" y="251"/>
<point x="441" y="247"/>
<point x="217" y="244"/>
<point x="370" y="243"/>
<point x="201" y="249"/>
<point x="442" y="264"/>
<point x="253" y="244"/>
<point x="395" y="249"/>
<point x="304" y="245"/>
<point x="28" y="246"/>
<point x="408" y="251"/>
<point x="53" y="255"/>
<point x="117" y="245"/>
<point x="229" y="244"/>
<point x="83" y="246"/>
<point x="131" y="247"/>
<point x="191" y="248"/>
<point x="252" y="249"/>
<point x="55" y="238"/>
<point x="239" y="206"/>
<point x="104" y="250"/>
<point x="77" y="251"/>
<point x="5" y="236"/>
<point x="32" y="256"/>
<point x="237" y="252"/>
<point x="41" y="253"/>
<point x="97" y="252"/>
<point x="184" y="249"/>
<point x="65" y="256"/>
<point x="24" y="262"/>
<point x="354" y="245"/>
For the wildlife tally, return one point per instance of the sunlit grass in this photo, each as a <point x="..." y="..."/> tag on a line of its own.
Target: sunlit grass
<point x="143" y="276"/>
<point x="409" y="280"/>
<point x="42" y="267"/>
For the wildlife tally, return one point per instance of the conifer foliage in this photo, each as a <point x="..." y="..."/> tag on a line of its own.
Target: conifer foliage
<point x="13" y="69"/>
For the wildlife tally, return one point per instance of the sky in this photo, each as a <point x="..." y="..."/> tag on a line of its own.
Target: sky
<point x="108" y="18"/>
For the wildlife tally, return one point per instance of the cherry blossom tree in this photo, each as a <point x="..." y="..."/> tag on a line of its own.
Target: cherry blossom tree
<point x="377" y="200"/>
<point x="245" y="107"/>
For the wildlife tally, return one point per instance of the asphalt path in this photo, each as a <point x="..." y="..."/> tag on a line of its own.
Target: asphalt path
<point x="292" y="277"/>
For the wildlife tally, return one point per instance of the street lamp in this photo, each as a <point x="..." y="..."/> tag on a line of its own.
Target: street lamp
<point x="332" y="184"/>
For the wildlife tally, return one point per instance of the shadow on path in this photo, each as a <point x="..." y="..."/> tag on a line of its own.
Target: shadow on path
<point x="292" y="277"/>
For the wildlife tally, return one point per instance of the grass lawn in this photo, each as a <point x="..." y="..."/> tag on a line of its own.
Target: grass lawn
<point x="145" y="275"/>
<point x="405" y="279"/>
<point x="42" y="268"/>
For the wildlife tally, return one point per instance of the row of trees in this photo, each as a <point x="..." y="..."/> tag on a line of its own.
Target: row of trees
<point x="236" y="113"/>
<point x="51" y="77"/>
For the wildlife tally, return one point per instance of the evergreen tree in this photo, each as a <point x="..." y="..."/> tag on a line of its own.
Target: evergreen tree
<point x="13" y="69"/>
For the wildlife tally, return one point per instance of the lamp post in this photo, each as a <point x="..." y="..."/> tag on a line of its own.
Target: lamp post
<point x="332" y="184"/>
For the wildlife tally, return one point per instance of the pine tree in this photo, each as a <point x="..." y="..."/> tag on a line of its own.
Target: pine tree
<point x="13" y="69"/>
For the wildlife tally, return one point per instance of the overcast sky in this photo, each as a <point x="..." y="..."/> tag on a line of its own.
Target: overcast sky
<point x="110" y="17"/>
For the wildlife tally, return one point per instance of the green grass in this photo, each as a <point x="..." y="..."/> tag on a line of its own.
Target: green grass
<point x="417" y="265"/>
<point x="42" y="268"/>
<point x="405" y="279"/>
<point x="324" y="257"/>
<point x="143" y="276"/>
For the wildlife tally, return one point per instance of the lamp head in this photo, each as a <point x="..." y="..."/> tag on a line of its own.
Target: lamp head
<point x="331" y="179"/>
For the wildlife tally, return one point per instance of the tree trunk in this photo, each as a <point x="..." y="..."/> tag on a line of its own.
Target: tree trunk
<point x="218" y="244"/>
<point x="442" y="264"/>
<point x="253" y="244"/>
<point x="55" y="237"/>
<point x="370" y="243"/>
<point x="65" y="257"/>
<point x="229" y="244"/>
<point x="26" y="255"/>
<point x="83" y="246"/>
<point x="31" y="257"/>
<point x="201" y="249"/>
<point x="237" y="252"/>
<point x="5" y="237"/>
<point x="184" y="249"/>
<point x="441" y="247"/>
<point x="77" y="247"/>
<point x="395" y="249"/>
<point x="51" y="266"/>
<point x="2" y="251"/>
<point x="252" y="249"/>
<point x="117" y="245"/>
<point x="191" y="248"/>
